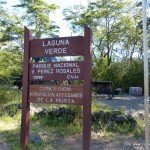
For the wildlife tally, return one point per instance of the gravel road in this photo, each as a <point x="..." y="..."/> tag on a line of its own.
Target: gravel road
<point x="128" y="103"/>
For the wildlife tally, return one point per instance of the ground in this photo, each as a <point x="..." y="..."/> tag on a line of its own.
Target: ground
<point x="130" y="104"/>
<point x="98" y="143"/>
<point x="133" y="104"/>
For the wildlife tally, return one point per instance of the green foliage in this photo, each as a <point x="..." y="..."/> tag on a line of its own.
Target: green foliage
<point x="8" y="95"/>
<point x="114" y="27"/>
<point x="4" y="97"/>
<point x="11" y="30"/>
<point x="10" y="110"/>
<point x="39" y="11"/>
<point x="59" y="125"/>
<point x="11" y="65"/>
<point x="58" y="116"/>
<point x="106" y="121"/>
<point x="122" y="74"/>
<point x="133" y="75"/>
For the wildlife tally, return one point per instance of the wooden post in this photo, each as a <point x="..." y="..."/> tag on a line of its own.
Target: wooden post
<point x="146" y="76"/>
<point x="87" y="89"/>
<point x="25" y="103"/>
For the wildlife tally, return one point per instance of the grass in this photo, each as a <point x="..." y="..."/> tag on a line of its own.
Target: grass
<point x="10" y="133"/>
<point x="52" y="131"/>
<point x="9" y="95"/>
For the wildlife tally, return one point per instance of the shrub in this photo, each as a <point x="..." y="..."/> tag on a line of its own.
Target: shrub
<point x="122" y="74"/>
<point x="9" y="95"/>
<point x="4" y="97"/>
<point x="11" y="109"/>
<point x="57" y="116"/>
<point x="114" y="121"/>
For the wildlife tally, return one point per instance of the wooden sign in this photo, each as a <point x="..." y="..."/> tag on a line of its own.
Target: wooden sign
<point x="66" y="70"/>
<point x="64" y="46"/>
<point x="69" y="70"/>
<point x="56" y="94"/>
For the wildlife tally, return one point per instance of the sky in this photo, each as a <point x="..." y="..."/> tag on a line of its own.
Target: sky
<point x="57" y="16"/>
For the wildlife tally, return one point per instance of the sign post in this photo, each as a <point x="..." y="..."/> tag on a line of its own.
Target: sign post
<point x="25" y="92"/>
<point x="87" y="89"/>
<point x="64" y="70"/>
<point x="146" y="76"/>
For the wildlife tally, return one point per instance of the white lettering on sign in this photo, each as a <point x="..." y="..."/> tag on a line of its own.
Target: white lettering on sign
<point x="39" y="99"/>
<point x="57" y="100"/>
<point x="66" y="70"/>
<point x="74" y="70"/>
<point x="56" y="51"/>
<point x="42" y="65"/>
<point x="58" y="95"/>
<point x="54" y="88"/>
<point x="67" y="64"/>
<point x="70" y="101"/>
<point x="72" y="77"/>
<point x="49" y="100"/>
<point x="58" y="42"/>
<point x="38" y="77"/>
<point x="45" y="71"/>
<point x="44" y="94"/>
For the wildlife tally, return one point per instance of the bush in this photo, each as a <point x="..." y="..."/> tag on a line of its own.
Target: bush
<point x="9" y="95"/>
<point x="4" y="97"/>
<point x="11" y="110"/>
<point x="111" y="121"/>
<point x="11" y="65"/>
<point x="114" y="121"/>
<point x="133" y="75"/>
<point x="57" y="116"/>
<point x="122" y="74"/>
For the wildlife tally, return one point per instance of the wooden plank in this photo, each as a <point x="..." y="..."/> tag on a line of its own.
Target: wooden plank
<point x="69" y="70"/>
<point x="87" y="89"/>
<point x="25" y="103"/>
<point x="56" y="94"/>
<point x="63" y="46"/>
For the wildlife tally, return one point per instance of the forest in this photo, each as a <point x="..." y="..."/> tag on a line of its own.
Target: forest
<point x="117" y="37"/>
<point x="116" y="122"/>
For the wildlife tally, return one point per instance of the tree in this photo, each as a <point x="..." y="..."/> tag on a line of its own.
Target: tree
<point x="11" y="33"/>
<point x="113" y="26"/>
<point x="11" y="65"/>
<point x="11" y="30"/>
<point x="37" y="17"/>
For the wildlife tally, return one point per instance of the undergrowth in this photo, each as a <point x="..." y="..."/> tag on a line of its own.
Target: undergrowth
<point x="54" y="123"/>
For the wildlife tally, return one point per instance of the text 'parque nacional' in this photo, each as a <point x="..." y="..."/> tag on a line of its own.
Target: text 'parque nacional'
<point x="57" y="70"/>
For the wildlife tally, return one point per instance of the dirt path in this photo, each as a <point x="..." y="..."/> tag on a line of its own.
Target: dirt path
<point x="98" y="143"/>
<point x="3" y="146"/>
<point x="128" y="103"/>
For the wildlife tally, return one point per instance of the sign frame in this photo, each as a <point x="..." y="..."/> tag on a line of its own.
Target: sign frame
<point x="86" y="46"/>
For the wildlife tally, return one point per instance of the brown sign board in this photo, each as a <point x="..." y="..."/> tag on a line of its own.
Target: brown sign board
<point x="63" y="46"/>
<point x="68" y="70"/>
<point x="56" y="94"/>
